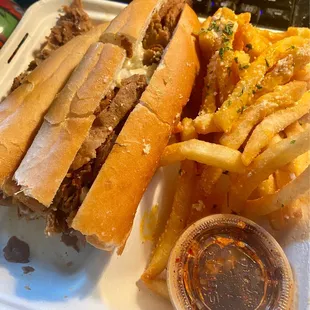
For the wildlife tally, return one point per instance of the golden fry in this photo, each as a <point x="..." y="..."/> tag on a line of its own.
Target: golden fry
<point x="282" y="197"/>
<point x="243" y="92"/>
<point x="201" y="207"/>
<point x="303" y="74"/>
<point x="188" y="131"/>
<point x="204" y="124"/>
<point x="239" y="65"/>
<point x="283" y="96"/>
<point x="158" y="286"/>
<point x="275" y="157"/>
<point x="213" y="29"/>
<point x="176" y="223"/>
<point x="285" y="70"/>
<point x="219" y="195"/>
<point x="291" y="31"/>
<point x="299" y="164"/>
<point x="273" y="124"/>
<point x="224" y="61"/>
<point x="267" y="187"/>
<point x="254" y="42"/>
<point x="205" y="153"/>
<point x="281" y="74"/>
<point x="210" y="90"/>
<point x="209" y="178"/>
<point x="288" y="214"/>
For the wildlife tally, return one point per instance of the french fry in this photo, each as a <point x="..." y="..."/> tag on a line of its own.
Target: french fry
<point x="267" y="187"/>
<point x="158" y="286"/>
<point x="204" y="124"/>
<point x="291" y="31"/>
<point x="211" y="33"/>
<point x="209" y="178"/>
<point x="273" y="124"/>
<point x="219" y="193"/>
<point x="283" y="96"/>
<point x="281" y="74"/>
<point x="176" y="223"/>
<point x="209" y="104"/>
<point x="201" y="206"/>
<point x="219" y="37"/>
<point x="206" y="39"/>
<point x="239" y="65"/>
<point x="288" y="214"/>
<point x="224" y="61"/>
<point x="303" y="74"/>
<point x="275" y="157"/>
<point x="243" y="92"/>
<point x="286" y="195"/>
<point x="299" y="164"/>
<point x="254" y="42"/>
<point x="205" y="153"/>
<point x="285" y="70"/>
<point x="188" y="131"/>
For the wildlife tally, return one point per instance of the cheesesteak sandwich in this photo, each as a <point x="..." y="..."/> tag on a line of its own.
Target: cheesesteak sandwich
<point x="102" y="138"/>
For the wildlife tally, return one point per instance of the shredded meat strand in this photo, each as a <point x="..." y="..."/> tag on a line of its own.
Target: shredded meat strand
<point x="74" y="22"/>
<point x="108" y="119"/>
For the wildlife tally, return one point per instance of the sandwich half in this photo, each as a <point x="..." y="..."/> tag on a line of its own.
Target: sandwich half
<point x="102" y="138"/>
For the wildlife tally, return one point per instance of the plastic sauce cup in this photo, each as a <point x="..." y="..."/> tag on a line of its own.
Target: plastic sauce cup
<point x="225" y="262"/>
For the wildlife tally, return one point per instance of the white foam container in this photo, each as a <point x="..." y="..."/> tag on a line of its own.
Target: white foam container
<point x="96" y="280"/>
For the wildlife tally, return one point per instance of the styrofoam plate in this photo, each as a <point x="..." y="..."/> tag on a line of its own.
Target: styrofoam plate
<point x="95" y="279"/>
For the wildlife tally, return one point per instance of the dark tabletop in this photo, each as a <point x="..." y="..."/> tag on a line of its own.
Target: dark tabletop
<point x="278" y="14"/>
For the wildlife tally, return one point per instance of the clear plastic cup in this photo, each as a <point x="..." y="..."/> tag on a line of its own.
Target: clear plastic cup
<point x="225" y="262"/>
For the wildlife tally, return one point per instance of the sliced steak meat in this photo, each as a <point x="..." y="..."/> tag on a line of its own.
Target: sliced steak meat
<point x="109" y="118"/>
<point x="74" y="188"/>
<point x="103" y="152"/>
<point x="74" y="22"/>
<point x="160" y="30"/>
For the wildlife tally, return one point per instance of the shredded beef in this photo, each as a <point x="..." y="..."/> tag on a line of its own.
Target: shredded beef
<point x="160" y="30"/>
<point x="74" y="22"/>
<point x="109" y="118"/>
<point x="74" y="189"/>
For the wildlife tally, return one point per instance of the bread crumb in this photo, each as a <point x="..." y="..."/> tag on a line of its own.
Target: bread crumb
<point x="110" y="128"/>
<point x="146" y="147"/>
<point x="27" y="287"/>
<point x="180" y="96"/>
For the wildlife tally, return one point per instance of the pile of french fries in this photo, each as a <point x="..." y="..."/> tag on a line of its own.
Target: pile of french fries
<point x="247" y="151"/>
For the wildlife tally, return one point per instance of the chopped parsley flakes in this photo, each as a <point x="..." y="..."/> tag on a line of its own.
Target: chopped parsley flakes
<point x="228" y="29"/>
<point x="214" y="26"/>
<point x="222" y="50"/>
<point x="243" y="67"/>
<point x="242" y="109"/>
